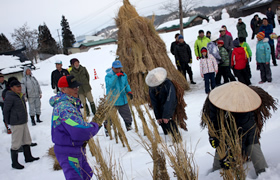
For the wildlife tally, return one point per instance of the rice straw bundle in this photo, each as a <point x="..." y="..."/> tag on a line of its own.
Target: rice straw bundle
<point x="141" y="49"/>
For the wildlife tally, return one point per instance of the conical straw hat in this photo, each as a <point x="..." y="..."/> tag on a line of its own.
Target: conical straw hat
<point x="156" y="77"/>
<point x="235" y="97"/>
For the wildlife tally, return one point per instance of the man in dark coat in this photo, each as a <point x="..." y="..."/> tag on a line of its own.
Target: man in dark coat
<point x="241" y="28"/>
<point x="234" y="93"/>
<point x="172" y="48"/>
<point x="163" y="99"/>
<point x="81" y="75"/>
<point x="15" y="114"/>
<point x="268" y="29"/>
<point x="57" y="74"/>
<point x="270" y="17"/>
<point x="3" y="86"/>
<point x="183" y="56"/>
<point x="255" y="25"/>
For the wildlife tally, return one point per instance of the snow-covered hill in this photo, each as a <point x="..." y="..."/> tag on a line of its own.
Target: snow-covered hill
<point x="138" y="164"/>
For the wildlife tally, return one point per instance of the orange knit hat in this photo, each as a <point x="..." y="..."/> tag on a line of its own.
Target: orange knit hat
<point x="261" y="35"/>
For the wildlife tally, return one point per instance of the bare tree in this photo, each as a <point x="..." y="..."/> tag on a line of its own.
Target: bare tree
<point x="24" y="36"/>
<point x="172" y="5"/>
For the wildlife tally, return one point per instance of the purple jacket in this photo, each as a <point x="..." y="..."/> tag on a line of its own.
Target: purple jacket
<point x="68" y="127"/>
<point x="278" y="48"/>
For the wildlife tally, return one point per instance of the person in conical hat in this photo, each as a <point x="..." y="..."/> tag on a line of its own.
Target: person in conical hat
<point x="163" y="99"/>
<point x="240" y="101"/>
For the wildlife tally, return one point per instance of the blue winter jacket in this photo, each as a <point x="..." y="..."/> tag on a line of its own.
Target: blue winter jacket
<point x="69" y="130"/>
<point x="263" y="51"/>
<point x="117" y="85"/>
<point x="267" y="30"/>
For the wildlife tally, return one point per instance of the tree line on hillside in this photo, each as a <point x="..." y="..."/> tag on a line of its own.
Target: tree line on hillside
<point x="38" y="41"/>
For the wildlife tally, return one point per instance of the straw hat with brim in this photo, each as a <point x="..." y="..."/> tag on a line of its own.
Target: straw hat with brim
<point x="156" y="77"/>
<point x="235" y="97"/>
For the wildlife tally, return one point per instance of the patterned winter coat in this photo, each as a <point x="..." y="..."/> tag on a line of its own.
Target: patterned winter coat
<point x="30" y="85"/>
<point x="214" y="50"/>
<point x="224" y="55"/>
<point x="208" y="65"/>
<point x="118" y="85"/>
<point x="239" y="58"/>
<point x="263" y="51"/>
<point x="277" y="52"/>
<point x="69" y="130"/>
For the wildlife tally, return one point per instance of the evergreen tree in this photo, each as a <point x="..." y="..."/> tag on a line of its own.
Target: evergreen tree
<point x="46" y="43"/>
<point x="5" y="44"/>
<point x="68" y="38"/>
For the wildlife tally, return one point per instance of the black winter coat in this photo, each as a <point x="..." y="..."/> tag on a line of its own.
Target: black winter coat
<point x="15" y="112"/>
<point x="173" y="45"/>
<point x="245" y="123"/>
<point x="163" y="99"/>
<point x="183" y="53"/>
<point x="255" y="25"/>
<point x="56" y="75"/>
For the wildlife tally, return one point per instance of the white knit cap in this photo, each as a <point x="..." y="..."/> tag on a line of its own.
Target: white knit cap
<point x="156" y="77"/>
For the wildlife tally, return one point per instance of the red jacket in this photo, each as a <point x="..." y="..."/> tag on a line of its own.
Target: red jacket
<point x="238" y="58"/>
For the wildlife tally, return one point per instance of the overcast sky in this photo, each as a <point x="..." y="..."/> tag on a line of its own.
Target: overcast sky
<point x="84" y="16"/>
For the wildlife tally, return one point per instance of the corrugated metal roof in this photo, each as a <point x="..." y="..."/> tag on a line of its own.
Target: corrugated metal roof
<point x="100" y="42"/>
<point x="255" y="4"/>
<point x="184" y="24"/>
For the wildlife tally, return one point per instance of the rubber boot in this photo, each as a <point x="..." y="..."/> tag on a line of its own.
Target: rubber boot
<point x="33" y="120"/>
<point x="38" y="118"/>
<point x="27" y="154"/>
<point x="14" y="156"/>
<point x="93" y="109"/>
<point x="87" y="109"/>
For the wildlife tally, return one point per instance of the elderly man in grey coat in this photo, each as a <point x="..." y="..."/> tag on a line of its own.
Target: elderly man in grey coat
<point x="32" y="91"/>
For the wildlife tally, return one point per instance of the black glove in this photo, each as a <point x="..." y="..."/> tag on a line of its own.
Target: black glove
<point x="214" y="142"/>
<point x="225" y="162"/>
<point x="130" y="95"/>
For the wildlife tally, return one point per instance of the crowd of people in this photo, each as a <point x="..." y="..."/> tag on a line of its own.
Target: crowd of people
<point x="219" y="57"/>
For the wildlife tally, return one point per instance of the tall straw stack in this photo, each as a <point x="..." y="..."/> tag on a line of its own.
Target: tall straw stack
<point x="140" y="49"/>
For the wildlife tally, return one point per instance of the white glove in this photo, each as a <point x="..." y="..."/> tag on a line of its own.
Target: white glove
<point x="55" y="91"/>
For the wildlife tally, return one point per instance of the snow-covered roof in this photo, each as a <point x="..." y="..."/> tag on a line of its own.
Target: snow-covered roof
<point x="10" y="64"/>
<point x="255" y="4"/>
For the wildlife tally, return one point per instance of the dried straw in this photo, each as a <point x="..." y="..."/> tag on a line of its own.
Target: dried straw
<point x="141" y="49"/>
<point x="56" y="165"/>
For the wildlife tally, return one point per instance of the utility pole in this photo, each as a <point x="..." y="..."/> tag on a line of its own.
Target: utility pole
<point x="60" y="42"/>
<point x="181" y="17"/>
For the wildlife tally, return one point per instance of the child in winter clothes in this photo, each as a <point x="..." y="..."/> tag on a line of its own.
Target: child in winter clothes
<point x="263" y="57"/>
<point x="223" y="68"/>
<point x="238" y="63"/>
<point x="208" y="67"/>
<point x="277" y="54"/>
<point x="248" y="51"/>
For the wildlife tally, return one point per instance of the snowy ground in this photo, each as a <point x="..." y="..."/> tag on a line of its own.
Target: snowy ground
<point x="138" y="164"/>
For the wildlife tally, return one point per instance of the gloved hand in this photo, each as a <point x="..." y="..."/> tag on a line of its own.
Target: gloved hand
<point x="130" y="95"/>
<point x="40" y="96"/>
<point x="120" y="74"/>
<point x="214" y="142"/>
<point x="225" y="162"/>
<point x="190" y="61"/>
<point x="197" y="58"/>
<point x="165" y="121"/>
<point x="178" y="63"/>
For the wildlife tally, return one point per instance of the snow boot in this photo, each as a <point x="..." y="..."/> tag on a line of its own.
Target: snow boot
<point x="33" y="144"/>
<point x="33" y="120"/>
<point x="93" y="109"/>
<point x="27" y="154"/>
<point x="38" y="118"/>
<point x="87" y="109"/>
<point x="14" y="156"/>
